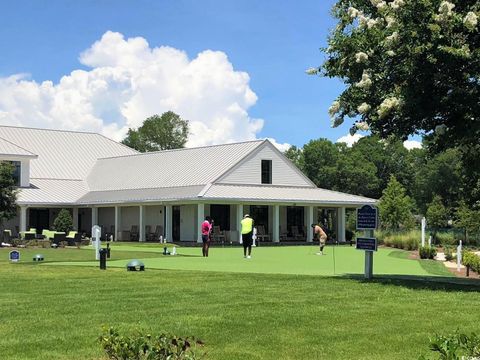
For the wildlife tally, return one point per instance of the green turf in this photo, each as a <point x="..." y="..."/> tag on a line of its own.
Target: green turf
<point x="56" y="312"/>
<point x="301" y="260"/>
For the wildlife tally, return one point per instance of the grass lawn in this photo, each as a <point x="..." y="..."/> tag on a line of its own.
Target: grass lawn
<point x="244" y="310"/>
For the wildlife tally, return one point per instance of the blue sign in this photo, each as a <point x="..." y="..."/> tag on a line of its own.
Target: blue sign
<point x="366" y="218"/>
<point x="367" y="244"/>
<point x="14" y="256"/>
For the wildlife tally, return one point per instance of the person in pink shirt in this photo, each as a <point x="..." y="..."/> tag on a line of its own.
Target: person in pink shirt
<point x="206" y="231"/>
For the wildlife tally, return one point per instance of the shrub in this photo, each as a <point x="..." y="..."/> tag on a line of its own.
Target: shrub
<point x="139" y="346"/>
<point x="427" y="252"/>
<point x="446" y="238"/>
<point x="401" y="240"/>
<point x="63" y="222"/>
<point x="455" y="347"/>
<point x="471" y="260"/>
<point x="448" y="253"/>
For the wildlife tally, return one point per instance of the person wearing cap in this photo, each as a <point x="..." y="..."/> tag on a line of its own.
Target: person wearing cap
<point x="206" y="235"/>
<point x="247" y="233"/>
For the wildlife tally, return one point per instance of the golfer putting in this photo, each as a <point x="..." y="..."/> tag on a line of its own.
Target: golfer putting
<point x="319" y="233"/>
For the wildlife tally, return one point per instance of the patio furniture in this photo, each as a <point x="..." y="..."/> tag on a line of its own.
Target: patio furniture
<point x="158" y="233"/>
<point x="283" y="234"/>
<point x="29" y="236"/>
<point x="134" y="233"/>
<point x="218" y="234"/>
<point x="7" y="236"/>
<point x="73" y="237"/>
<point x="148" y="233"/>
<point x="58" y="238"/>
<point x="261" y="234"/>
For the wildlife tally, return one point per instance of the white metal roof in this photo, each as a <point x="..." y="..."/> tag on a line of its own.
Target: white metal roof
<point x="10" y="149"/>
<point x="282" y="194"/>
<point x="172" y="168"/>
<point x="141" y="195"/>
<point x="52" y="192"/>
<point x="63" y="154"/>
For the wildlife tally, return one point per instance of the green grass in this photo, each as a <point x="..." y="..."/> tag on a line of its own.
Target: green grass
<point x="56" y="312"/>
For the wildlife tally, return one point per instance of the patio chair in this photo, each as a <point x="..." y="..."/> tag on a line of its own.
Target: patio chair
<point x="71" y="237"/>
<point x="148" y="232"/>
<point x="58" y="238"/>
<point x="283" y="234"/>
<point x="158" y="232"/>
<point x="218" y="234"/>
<point x="261" y="234"/>
<point x="297" y="235"/>
<point x="134" y="233"/>
<point x="29" y="236"/>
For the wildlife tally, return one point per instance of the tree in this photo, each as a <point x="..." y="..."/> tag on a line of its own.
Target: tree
<point x="468" y="218"/>
<point x="63" y="222"/>
<point x="395" y="206"/>
<point x="409" y="66"/>
<point x="437" y="214"/>
<point x="320" y="162"/>
<point x="295" y="155"/>
<point x="165" y="132"/>
<point x="8" y="192"/>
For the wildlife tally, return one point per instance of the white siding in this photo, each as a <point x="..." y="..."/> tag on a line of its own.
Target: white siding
<point x="106" y="217"/>
<point x="130" y="216"/>
<point x="154" y="216"/>
<point x="249" y="170"/>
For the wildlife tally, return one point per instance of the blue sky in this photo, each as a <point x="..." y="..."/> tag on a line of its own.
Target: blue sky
<point x="273" y="41"/>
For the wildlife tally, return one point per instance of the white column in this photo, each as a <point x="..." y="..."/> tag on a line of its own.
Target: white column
<point x="341" y="224"/>
<point x="276" y="223"/>
<point x="310" y="221"/>
<point x="239" y="221"/>
<point x="94" y="216"/>
<point x="200" y="217"/>
<point x="75" y="218"/>
<point x="23" y="218"/>
<point x="118" y="223"/>
<point x="141" y="223"/>
<point x="168" y="223"/>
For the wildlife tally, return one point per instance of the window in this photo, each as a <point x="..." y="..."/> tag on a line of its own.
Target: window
<point x="266" y="171"/>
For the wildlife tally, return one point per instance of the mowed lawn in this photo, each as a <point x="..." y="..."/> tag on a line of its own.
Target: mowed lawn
<point x="56" y="312"/>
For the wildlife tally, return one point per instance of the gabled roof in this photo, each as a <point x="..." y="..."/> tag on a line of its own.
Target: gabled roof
<point x="10" y="149"/>
<point x="62" y="154"/>
<point x="172" y="168"/>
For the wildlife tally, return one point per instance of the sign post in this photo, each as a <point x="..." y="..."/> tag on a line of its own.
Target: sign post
<point x="424" y="225"/>
<point x="367" y="219"/>
<point x="14" y="256"/>
<point x="96" y="234"/>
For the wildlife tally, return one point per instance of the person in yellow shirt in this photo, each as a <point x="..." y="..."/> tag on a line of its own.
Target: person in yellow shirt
<point x="247" y="233"/>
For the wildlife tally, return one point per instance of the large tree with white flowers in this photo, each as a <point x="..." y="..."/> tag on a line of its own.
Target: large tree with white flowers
<point x="410" y="67"/>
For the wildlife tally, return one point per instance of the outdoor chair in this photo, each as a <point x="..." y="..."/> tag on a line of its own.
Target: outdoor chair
<point x="297" y="235"/>
<point x="218" y="234"/>
<point x="7" y="236"/>
<point x="261" y="234"/>
<point x="158" y="233"/>
<point x="283" y="234"/>
<point x="29" y="236"/>
<point x="71" y="237"/>
<point x="148" y="233"/>
<point x="134" y="233"/>
<point x="58" y="238"/>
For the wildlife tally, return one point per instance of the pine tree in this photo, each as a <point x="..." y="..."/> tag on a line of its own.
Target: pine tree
<point x="63" y="222"/>
<point x="437" y="213"/>
<point x="395" y="206"/>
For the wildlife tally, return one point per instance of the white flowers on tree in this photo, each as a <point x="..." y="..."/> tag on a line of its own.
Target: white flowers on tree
<point x="445" y="11"/>
<point x="366" y="82"/>
<point x="396" y="4"/>
<point x="334" y="108"/>
<point x="361" y="57"/>
<point x="362" y="125"/>
<point x="392" y="39"/>
<point x="440" y="129"/>
<point x="387" y="106"/>
<point x="390" y="21"/>
<point x="311" y="71"/>
<point x="353" y="13"/>
<point x="363" y="108"/>
<point x="391" y="53"/>
<point x="470" y="21"/>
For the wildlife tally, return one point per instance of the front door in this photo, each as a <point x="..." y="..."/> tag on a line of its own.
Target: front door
<point x="176" y="223"/>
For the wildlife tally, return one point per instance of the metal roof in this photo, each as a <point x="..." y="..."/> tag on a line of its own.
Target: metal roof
<point x="10" y="149"/>
<point x="63" y="154"/>
<point x="282" y="194"/>
<point x="52" y="192"/>
<point x="172" y="168"/>
<point x="141" y="195"/>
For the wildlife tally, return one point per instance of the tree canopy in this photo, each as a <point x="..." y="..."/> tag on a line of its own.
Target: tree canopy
<point x="395" y="206"/>
<point x="8" y="192"/>
<point x="165" y="132"/>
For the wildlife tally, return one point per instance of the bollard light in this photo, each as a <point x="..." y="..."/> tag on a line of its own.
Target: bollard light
<point x="38" y="257"/>
<point x="135" y="265"/>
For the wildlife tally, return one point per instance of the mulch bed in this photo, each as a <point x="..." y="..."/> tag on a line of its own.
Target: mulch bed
<point x="462" y="273"/>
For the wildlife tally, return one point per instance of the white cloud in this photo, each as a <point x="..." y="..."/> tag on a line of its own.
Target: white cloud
<point x="128" y="81"/>
<point x="350" y="139"/>
<point x="412" y="144"/>
<point x="282" y="147"/>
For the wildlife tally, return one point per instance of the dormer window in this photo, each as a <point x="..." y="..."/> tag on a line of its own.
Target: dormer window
<point x="266" y="171"/>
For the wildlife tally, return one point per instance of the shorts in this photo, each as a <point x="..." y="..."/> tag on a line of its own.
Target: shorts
<point x="205" y="238"/>
<point x="247" y="239"/>
<point x="323" y="240"/>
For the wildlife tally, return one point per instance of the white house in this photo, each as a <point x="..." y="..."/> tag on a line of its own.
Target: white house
<point x="106" y="183"/>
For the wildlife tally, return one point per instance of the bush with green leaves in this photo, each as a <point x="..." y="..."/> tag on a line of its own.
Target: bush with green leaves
<point x="455" y="346"/>
<point x="471" y="260"/>
<point x="144" y="346"/>
<point x="446" y="238"/>
<point x="408" y="240"/>
<point x="63" y="222"/>
<point x="427" y="252"/>
<point x="448" y="253"/>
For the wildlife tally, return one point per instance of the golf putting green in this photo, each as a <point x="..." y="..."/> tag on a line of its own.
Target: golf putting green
<point x="300" y="260"/>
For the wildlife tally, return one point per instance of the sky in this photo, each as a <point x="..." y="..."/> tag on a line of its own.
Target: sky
<point x="234" y="69"/>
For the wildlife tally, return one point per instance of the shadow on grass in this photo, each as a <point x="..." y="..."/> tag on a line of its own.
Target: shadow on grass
<point x="421" y="282"/>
